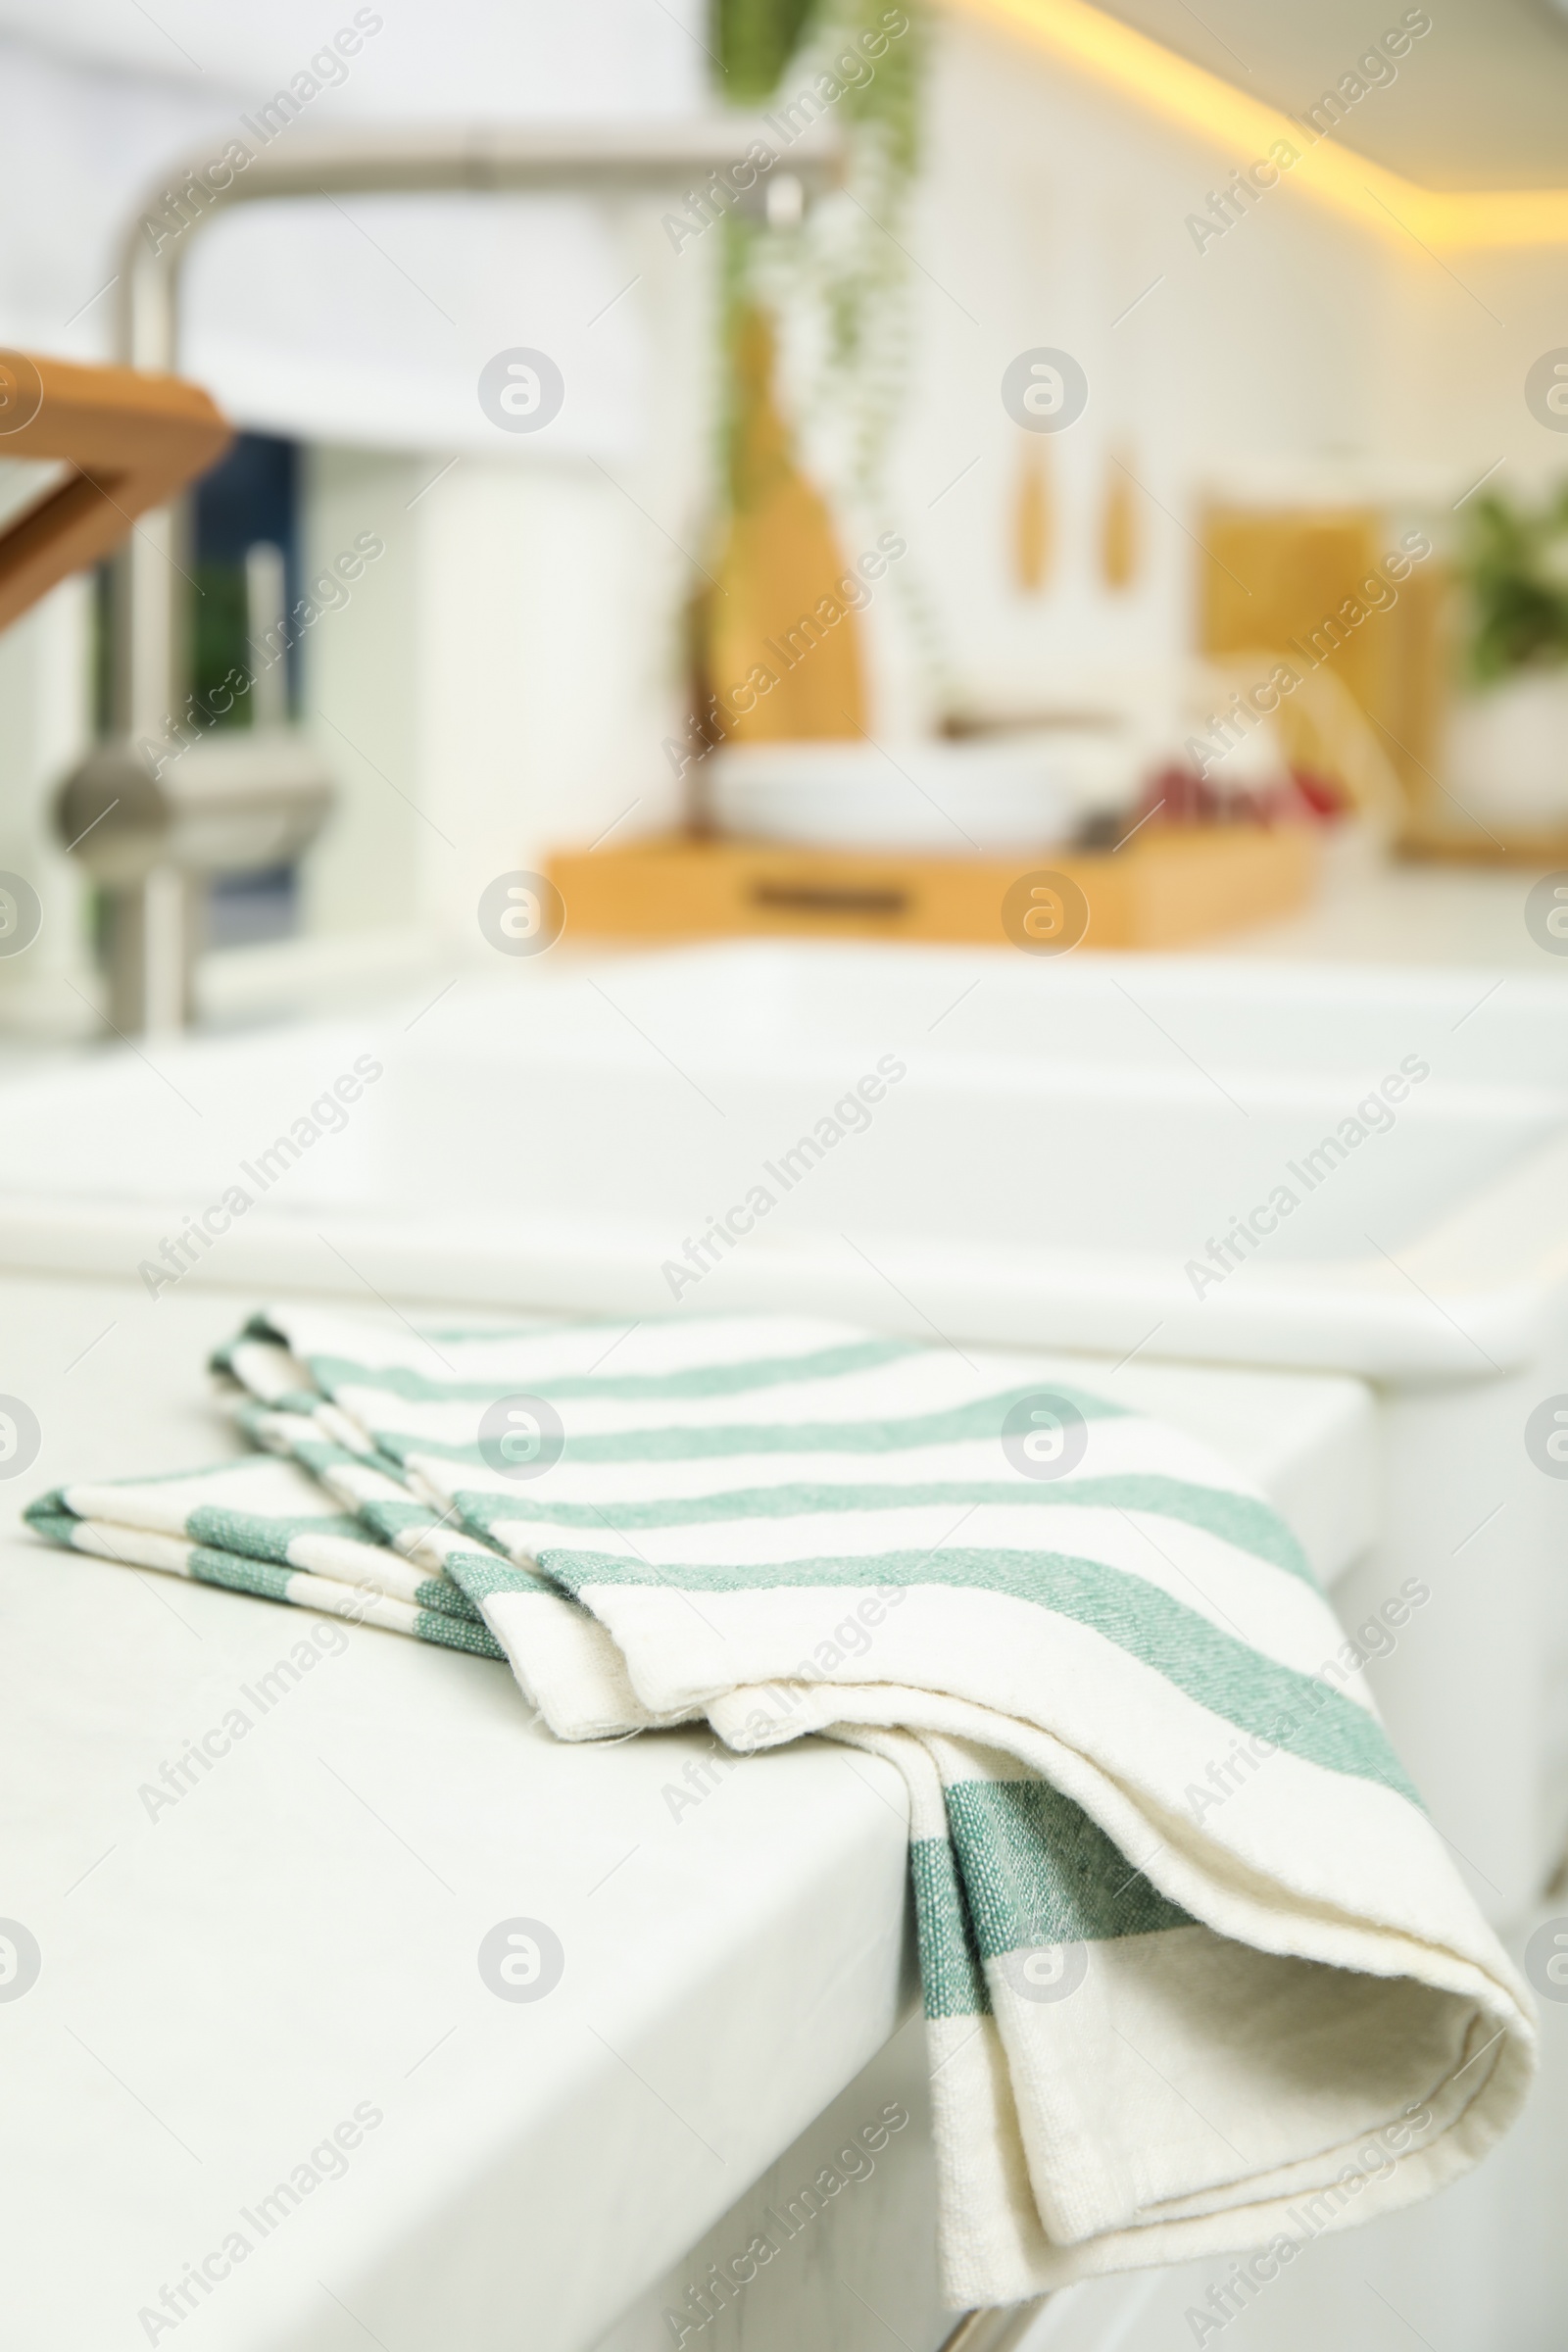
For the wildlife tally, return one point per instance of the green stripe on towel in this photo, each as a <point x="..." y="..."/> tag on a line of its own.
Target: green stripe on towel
<point x="691" y="1379"/>
<point x="262" y="1538"/>
<point x="955" y="1425"/>
<point x="1238" y="1519"/>
<point x="1223" y="1674"/>
<point x="952" y="1983"/>
<point x="1037" y="1870"/>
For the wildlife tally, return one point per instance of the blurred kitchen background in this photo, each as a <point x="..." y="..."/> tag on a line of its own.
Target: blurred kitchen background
<point x="1136" y="356"/>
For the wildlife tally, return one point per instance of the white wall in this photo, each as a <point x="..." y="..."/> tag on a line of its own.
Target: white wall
<point x="1459" y="338"/>
<point x="1299" y="349"/>
<point x="499" y="683"/>
<point x="504" y="678"/>
<point x="96" y="99"/>
<point x="44" y="727"/>
<point x="361" y="693"/>
<point x="1048" y="206"/>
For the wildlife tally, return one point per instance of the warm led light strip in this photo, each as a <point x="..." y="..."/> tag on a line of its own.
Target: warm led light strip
<point x="1130" y="62"/>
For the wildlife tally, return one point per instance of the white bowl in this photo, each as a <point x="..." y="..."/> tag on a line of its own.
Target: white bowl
<point x="980" y="797"/>
<point x="1508" y="751"/>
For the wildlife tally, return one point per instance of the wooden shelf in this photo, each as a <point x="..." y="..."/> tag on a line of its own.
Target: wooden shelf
<point x="1166" y="889"/>
<point x="131" y="441"/>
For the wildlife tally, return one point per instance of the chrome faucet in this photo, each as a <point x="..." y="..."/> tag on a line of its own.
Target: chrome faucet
<point x="155" y="825"/>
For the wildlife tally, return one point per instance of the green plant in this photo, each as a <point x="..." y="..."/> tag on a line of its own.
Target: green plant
<point x="838" y="282"/>
<point x="755" y="40"/>
<point x="220" y="638"/>
<point x="1514" y="566"/>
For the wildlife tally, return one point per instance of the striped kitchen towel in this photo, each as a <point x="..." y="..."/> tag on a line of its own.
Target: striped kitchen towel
<point x="262" y="1526"/>
<point x="1199" y="1974"/>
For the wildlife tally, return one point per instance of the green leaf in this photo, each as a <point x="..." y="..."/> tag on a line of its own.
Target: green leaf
<point x="754" y="41"/>
<point x="1518" y="592"/>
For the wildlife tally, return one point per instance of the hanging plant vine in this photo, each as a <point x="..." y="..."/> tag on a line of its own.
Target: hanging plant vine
<point x="838" y="282"/>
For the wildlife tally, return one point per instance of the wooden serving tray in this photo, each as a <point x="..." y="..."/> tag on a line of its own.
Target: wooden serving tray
<point x="1165" y="889"/>
<point x="131" y="440"/>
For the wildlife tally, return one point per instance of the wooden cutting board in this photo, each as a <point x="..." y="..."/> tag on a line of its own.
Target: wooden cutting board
<point x="782" y="656"/>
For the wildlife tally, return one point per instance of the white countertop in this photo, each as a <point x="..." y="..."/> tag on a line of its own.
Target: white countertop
<point x="296" y="1938"/>
<point x="1408" y="915"/>
<point x="1366" y="912"/>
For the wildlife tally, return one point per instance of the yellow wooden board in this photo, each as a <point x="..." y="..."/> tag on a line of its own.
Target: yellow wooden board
<point x="1166" y="889"/>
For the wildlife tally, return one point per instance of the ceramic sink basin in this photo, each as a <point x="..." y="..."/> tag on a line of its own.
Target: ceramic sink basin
<point x="1009" y="1149"/>
<point x="1350" y="1170"/>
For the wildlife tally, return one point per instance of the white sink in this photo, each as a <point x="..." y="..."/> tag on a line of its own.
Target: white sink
<point x="1056" y="1158"/>
<point x="1066" y="1140"/>
<point x="1090" y="1008"/>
